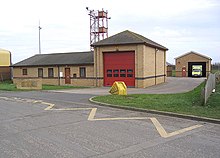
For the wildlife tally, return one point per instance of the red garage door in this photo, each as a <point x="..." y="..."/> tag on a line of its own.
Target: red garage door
<point x="119" y="66"/>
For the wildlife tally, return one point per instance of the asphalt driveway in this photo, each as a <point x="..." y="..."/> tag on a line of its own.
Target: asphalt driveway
<point x="172" y="85"/>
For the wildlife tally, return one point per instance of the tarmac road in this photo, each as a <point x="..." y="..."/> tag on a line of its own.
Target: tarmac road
<point x="54" y="125"/>
<point x="172" y="85"/>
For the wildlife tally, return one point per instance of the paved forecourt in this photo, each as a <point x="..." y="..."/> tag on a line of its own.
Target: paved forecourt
<point x="172" y="85"/>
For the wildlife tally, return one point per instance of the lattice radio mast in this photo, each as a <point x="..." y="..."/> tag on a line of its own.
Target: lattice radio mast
<point x="98" y="25"/>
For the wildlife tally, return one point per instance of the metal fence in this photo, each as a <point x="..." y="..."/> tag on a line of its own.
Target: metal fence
<point x="210" y="86"/>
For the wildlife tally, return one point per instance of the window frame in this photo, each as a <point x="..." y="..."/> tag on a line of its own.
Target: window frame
<point x="42" y="72"/>
<point x="82" y="75"/>
<point x="49" y="72"/>
<point x="24" y="72"/>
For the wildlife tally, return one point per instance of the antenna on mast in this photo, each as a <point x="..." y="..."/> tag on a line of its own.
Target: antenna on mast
<point x="98" y="25"/>
<point x="39" y="27"/>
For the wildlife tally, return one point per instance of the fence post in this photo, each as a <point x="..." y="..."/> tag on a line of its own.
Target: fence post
<point x="210" y="85"/>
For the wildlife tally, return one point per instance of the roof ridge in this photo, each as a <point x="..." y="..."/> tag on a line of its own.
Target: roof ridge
<point x="137" y="35"/>
<point x="143" y="38"/>
<point x="73" y="58"/>
<point x="128" y="37"/>
<point x="194" y="53"/>
<point x="200" y="54"/>
<point x="66" y="53"/>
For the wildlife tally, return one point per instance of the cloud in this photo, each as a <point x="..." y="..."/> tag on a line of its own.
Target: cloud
<point x="177" y="24"/>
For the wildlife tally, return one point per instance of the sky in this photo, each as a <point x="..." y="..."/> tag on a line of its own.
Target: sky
<point x="180" y="25"/>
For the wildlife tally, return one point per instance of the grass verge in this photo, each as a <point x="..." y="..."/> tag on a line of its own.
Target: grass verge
<point x="9" y="86"/>
<point x="52" y="87"/>
<point x="184" y="103"/>
<point x="214" y="99"/>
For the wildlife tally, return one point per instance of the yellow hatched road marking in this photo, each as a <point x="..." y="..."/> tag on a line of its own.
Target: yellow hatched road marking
<point x="120" y="118"/>
<point x="164" y="134"/>
<point x="92" y="114"/>
<point x="72" y="109"/>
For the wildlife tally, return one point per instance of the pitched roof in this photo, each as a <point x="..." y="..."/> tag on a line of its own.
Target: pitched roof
<point x="194" y="53"/>
<point x="168" y="64"/>
<point x="73" y="58"/>
<point x="128" y="37"/>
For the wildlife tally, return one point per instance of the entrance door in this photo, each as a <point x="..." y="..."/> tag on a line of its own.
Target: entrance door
<point x="119" y="66"/>
<point x="184" y="72"/>
<point x="67" y="76"/>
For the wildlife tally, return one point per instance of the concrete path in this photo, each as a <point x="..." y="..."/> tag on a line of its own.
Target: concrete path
<point x="172" y="85"/>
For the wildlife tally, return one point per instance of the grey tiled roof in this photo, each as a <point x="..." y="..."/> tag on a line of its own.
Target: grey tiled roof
<point x="128" y="37"/>
<point x="192" y="52"/>
<point x="168" y="64"/>
<point x="74" y="58"/>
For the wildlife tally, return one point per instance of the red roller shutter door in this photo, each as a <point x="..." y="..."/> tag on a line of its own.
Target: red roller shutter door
<point x="119" y="66"/>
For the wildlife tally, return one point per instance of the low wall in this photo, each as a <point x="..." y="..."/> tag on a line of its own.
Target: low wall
<point x="35" y="84"/>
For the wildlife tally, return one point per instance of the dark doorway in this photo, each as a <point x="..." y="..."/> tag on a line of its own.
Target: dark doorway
<point x="190" y="65"/>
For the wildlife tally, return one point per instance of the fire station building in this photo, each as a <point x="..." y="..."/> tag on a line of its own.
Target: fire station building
<point x="126" y="56"/>
<point x="186" y="62"/>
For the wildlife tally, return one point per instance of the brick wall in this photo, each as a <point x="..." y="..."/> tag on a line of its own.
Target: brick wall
<point x="183" y="61"/>
<point x="32" y="72"/>
<point x="144" y="64"/>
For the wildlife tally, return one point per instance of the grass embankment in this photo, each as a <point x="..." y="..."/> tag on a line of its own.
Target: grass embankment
<point x="185" y="103"/>
<point x="9" y="86"/>
<point x="214" y="99"/>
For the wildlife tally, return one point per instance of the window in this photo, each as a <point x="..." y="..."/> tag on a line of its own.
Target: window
<point x="82" y="72"/>
<point x="40" y="72"/>
<point x="129" y="71"/>
<point x="109" y="73"/>
<point x="122" y="73"/>
<point x="50" y="72"/>
<point x="129" y="75"/>
<point x="116" y="71"/>
<point x="24" y="71"/>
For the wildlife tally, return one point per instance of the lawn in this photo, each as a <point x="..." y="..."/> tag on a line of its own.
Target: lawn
<point x="9" y="86"/>
<point x="52" y="87"/>
<point x="214" y="99"/>
<point x="185" y="103"/>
